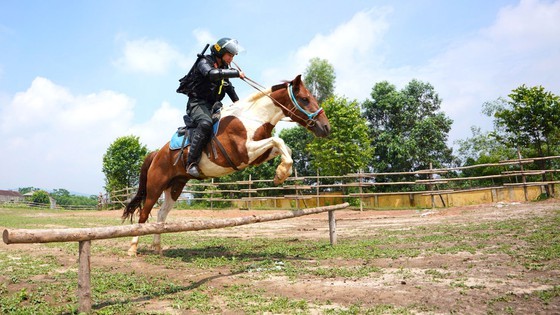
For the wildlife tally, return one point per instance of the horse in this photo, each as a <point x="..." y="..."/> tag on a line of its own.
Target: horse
<point x="244" y="136"/>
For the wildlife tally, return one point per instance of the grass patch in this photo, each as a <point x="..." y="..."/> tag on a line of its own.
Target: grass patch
<point x="41" y="284"/>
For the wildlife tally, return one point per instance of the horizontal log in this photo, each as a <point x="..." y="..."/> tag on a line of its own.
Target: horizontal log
<point x="18" y="236"/>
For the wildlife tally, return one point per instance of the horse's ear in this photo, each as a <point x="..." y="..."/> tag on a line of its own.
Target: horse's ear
<point x="296" y="83"/>
<point x="297" y="80"/>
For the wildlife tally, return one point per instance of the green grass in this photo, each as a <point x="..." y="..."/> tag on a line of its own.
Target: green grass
<point x="40" y="284"/>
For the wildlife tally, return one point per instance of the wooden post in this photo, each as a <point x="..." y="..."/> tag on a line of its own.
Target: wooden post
<point x="212" y="195"/>
<point x="431" y="187"/>
<point x="332" y="228"/>
<point x="317" y="184"/>
<point x="249" y="199"/>
<point x="522" y="175"/>
<point x="296" y="189"/>
<point x="361" y="192"/>
<point x="84" y="279"/>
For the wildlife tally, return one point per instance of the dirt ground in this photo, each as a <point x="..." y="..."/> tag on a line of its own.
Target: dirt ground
<point x="460" y="283"/>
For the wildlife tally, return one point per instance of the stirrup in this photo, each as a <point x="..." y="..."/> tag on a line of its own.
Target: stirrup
<point x="193" y="170"/>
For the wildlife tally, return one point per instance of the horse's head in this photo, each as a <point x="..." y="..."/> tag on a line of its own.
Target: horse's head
<point x="302" y="107"/>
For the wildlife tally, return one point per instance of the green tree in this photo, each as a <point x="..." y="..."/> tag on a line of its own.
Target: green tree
<point x="122" y="163"/>
<point x="479" y="149"/>
<point x="528" y="120"/>
<point x="25" y="190"/>
<point x="64" y="198"/>
<point x="40" y="196"/>
<point x="482" y="145"/>
<point x="348" y="148"/>
<point x="297" y="138"/>
<point x="319" y="78"/>
<point x="407" y="128"/>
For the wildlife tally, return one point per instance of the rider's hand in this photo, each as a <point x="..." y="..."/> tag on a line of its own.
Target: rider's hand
<point x="241" y="75"/>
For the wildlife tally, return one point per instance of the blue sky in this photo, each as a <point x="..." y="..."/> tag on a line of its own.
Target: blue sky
<point x="76" y="75"/>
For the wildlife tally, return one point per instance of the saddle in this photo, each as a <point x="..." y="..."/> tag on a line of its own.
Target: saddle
<point x="184" y="132"/>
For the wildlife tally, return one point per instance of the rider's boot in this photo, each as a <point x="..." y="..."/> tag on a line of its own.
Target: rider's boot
<point x="199" y="137"/>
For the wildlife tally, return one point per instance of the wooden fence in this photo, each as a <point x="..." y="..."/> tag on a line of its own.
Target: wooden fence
<point x="426" y="188"/>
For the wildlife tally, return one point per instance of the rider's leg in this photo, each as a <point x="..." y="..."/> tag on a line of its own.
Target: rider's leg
<point x="200" y="113"/>
<point x="199" y="138"/>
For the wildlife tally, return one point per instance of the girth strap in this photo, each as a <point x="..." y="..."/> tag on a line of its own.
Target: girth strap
<point x="224" y="153"/>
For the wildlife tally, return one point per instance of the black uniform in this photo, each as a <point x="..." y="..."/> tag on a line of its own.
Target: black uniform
<point x="206" y="84"/>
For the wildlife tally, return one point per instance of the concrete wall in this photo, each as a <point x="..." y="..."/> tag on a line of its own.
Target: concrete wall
<point x="408" y="200"/>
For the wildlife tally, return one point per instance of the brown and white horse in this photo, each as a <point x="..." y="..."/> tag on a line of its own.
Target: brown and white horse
<point x="245" y="132"/>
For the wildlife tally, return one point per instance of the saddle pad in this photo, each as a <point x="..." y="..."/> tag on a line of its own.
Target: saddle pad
<point x="176" y="140"/>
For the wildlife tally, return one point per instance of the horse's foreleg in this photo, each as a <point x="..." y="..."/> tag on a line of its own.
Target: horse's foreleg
<point x="168" y="203"/>
<point x="284" y="170"/>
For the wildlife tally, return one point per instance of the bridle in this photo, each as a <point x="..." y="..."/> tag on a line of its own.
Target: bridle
<point x="311" y="120"/>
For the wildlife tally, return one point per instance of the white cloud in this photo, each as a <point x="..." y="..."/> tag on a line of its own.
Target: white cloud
<point x="352" y="49"/>
<point x="58" y="138"/>
<point x="151" y="132"/>
<point x="203" y="36"/>
<point x="150" y="56"/>
<point x="520" y="47"/>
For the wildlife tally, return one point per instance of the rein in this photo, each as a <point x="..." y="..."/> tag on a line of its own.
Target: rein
<point x="311" y="117"/>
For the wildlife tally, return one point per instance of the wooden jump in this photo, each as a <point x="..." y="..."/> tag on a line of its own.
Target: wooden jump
<point x="85" y="235"/>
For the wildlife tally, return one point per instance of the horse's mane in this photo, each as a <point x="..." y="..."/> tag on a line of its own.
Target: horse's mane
<point x="259" y="94"/>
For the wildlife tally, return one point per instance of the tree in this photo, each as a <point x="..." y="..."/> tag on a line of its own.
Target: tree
<point x="348" y="148"/>
<point x="319" y="78"/>
<point x="528" y="120"/>
<point x="122" y="163"/>
<point x="297" y="138"/>
<point x="25" y="190"/>
<point x="482" y="148"/>
<point x="64" y="198"/>
<point x="482" y="144"/>
<point x="407" y="128"/>
<point x="40" y="196"/>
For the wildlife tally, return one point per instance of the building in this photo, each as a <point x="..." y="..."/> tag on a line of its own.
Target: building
<point x="10" y="196"/>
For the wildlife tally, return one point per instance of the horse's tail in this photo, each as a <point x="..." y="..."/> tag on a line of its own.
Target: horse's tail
<point x="140" y="197"/>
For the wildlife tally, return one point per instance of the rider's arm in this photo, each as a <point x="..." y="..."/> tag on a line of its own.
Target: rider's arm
<point x="207" y="69"/>
<point x="230" y="90"/>
<point x="219" y="74"/>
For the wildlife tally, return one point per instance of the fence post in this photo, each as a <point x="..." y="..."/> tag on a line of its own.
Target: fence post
<point x="84" y="279"/>
<point x="361" y="191"/>
<point x="249" y="199"/>
<point x="212" y="195"/>
<point x="332" y="228"/>
<point x="431" y="188"/>
<point x="317" y="182"/>
<point x="524" y="179"/>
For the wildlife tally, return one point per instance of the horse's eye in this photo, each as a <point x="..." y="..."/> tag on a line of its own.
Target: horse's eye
<point x="306" y="100"/>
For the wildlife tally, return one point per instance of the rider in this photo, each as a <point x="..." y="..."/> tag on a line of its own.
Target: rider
<point x="207" y="83"/>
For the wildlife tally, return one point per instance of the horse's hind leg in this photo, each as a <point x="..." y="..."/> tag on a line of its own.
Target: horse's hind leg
<point x="171" y="195"/>
<point x="168" y="203"/>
